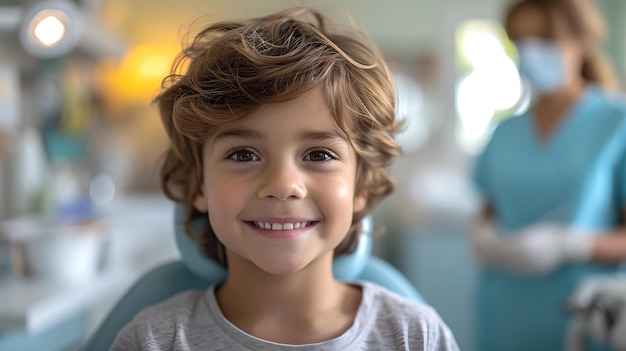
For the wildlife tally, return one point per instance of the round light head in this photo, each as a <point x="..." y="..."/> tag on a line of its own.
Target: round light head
<point x="51" y="29"/>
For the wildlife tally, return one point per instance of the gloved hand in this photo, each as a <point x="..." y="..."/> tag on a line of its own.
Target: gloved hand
<point x="599" y="304"/>
<point x="541" y="248"/>
<point x="488" y="244"/>
<point x="535" y="250"/>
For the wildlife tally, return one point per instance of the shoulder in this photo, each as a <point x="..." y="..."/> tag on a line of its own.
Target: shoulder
<point x="505" y="132"/>
<point x="159" y="322"/>
<point x="419" y="322"/>
<point x="510" y="124"/>
<point x="388" y="299"/>
<point x="609" y="118"/>
<point x="617" y="101"/>
<point x="178" y="307"/>
<point x="613" y="103"/>
<point x="389" y="305"/>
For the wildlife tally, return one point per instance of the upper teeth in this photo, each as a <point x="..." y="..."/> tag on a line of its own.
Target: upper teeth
<point x="281" y="226"/>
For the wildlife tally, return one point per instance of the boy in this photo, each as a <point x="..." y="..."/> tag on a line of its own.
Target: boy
<point x="281" y="135"/>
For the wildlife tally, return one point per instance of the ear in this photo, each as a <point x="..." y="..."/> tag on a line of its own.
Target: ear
<point x="196" y="184"/>
<point x="199" y="202"/>
<point x="359" y="203"/>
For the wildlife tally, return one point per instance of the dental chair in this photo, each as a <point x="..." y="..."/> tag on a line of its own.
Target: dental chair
<point x="197" y="271"/>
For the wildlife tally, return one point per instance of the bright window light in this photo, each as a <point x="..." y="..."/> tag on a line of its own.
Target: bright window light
<point x="489" y="85"/>
<point x="482" y="47"/>
<point x="409" y="111"/>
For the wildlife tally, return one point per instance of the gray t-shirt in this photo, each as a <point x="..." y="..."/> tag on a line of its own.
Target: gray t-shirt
<point x="192" y="320"/>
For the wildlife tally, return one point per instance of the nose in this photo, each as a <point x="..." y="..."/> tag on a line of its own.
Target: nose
<point x="282" y="180"/>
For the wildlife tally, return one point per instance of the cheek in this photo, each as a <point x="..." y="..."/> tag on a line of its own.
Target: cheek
<point x="573" y="56"/>
<point x="226" y="198"/>
<point x="338" y="194"/>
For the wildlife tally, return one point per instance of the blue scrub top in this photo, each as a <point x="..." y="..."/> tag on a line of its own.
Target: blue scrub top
<point x="577" y="177"/>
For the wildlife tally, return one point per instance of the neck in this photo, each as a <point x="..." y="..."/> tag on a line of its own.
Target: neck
<point x="304" y="307"/>
<point x="551" y="109"/>
<point x="568" y="92"/>
<point x="296" y="292"/>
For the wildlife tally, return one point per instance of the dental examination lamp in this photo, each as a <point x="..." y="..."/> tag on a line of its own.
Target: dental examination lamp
<point x="51" y="29"/>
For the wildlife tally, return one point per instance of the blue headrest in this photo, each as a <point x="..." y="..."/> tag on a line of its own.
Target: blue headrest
<point x="345" y="267"/>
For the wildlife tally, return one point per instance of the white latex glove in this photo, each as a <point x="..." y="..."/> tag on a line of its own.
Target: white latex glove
<point x="541" y="248"/>
<point x="600" y="306"/>
<point x="489" y="246"/>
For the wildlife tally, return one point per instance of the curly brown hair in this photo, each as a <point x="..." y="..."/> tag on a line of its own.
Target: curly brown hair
<point x="233" y="68"/>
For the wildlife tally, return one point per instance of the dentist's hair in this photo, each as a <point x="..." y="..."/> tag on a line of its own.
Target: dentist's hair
<point x="581" y="21"/>
<point x="233" y="68"/>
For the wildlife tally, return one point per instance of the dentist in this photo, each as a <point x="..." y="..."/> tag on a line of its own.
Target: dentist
<point x="553" y="181"/>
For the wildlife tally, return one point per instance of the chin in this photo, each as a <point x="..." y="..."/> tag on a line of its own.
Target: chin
<point x="283" y="266"/>
<point x="276" y="268"/>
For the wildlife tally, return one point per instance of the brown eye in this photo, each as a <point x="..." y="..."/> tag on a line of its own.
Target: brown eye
<point x="243" y="156"/>
<point x="320" y="156"/>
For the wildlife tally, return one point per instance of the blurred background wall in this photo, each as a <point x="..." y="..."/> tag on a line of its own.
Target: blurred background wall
<point x="80" y="142"/>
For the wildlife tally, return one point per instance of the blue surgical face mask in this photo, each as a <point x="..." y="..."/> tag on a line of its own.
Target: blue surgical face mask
<point x="542" y="63"/>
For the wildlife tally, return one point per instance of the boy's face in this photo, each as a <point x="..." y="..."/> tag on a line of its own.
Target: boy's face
<point x="279" y="187"/>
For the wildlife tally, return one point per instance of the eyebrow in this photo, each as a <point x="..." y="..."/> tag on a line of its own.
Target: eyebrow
<point x="239" y="133"/>
<point x="252" y="134"/>
<point x="322" y="135"/>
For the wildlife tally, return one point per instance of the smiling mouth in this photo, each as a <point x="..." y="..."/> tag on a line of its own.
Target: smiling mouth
<point x="281" y="226"/>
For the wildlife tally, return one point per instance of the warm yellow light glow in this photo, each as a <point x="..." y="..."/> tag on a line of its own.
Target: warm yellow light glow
<point x="154" y="65"/>
<point x="137" y="78"/>
<point x="49" y="30"/>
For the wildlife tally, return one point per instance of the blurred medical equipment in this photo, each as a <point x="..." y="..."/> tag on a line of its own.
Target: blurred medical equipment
<point x="51" y="29"/>
<point x="58" y="250"/>
<point x="599" y="304"/>
<point x="197" y="271"/>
